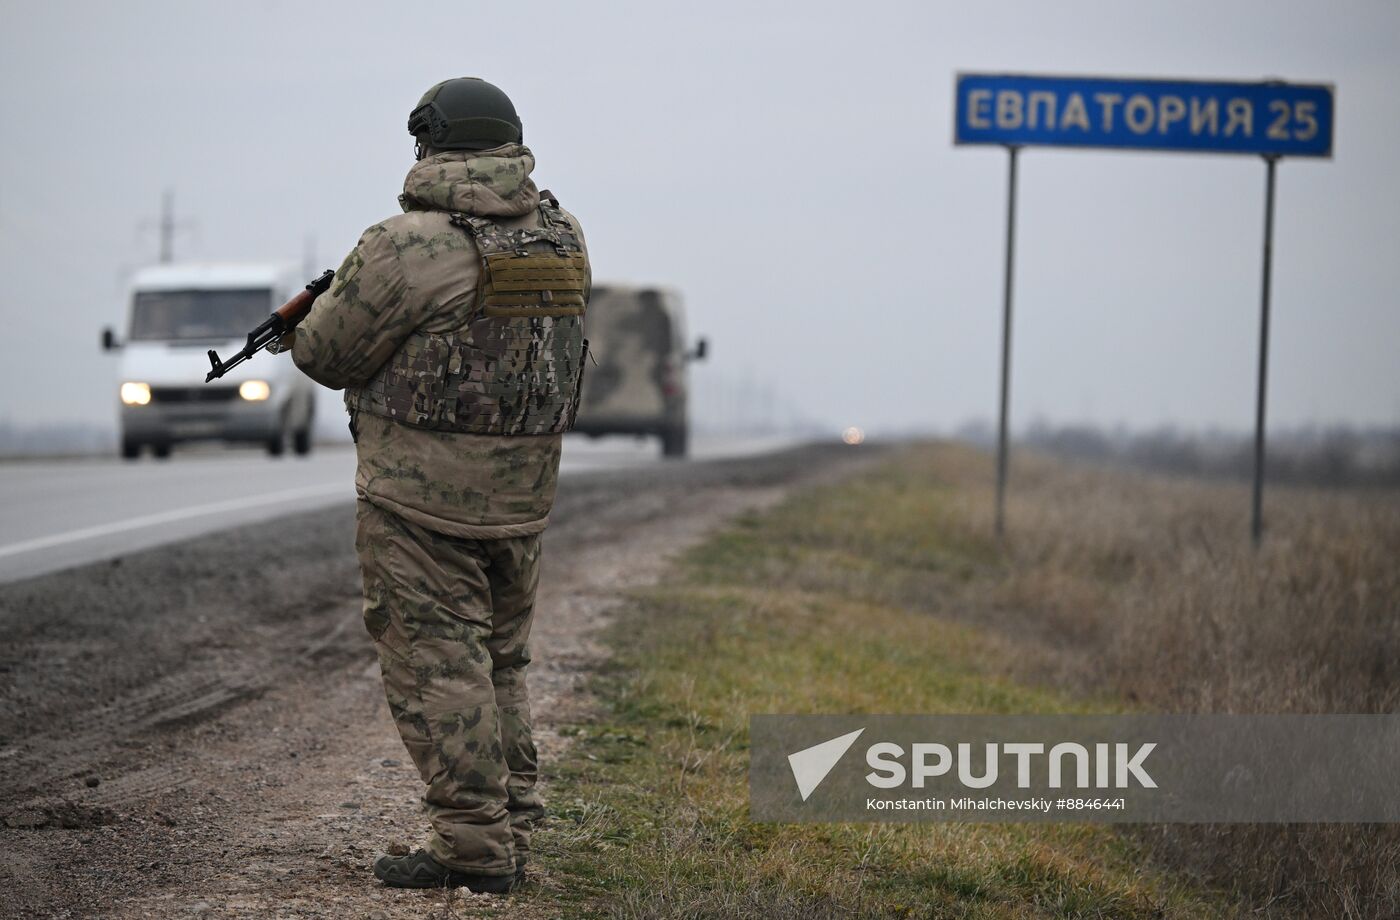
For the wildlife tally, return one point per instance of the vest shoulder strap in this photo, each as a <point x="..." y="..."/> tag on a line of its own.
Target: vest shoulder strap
<point x="491" y="237"/>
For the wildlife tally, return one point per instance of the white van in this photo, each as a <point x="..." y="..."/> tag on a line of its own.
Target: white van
<point x="177" y="314"/>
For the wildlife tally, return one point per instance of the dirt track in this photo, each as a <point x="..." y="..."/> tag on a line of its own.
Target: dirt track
<point x="200" y="730"/>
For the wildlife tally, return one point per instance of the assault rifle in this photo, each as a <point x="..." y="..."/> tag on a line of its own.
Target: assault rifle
<point x="283" y="320"/>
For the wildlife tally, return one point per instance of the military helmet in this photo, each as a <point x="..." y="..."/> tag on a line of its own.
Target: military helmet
<point x="466" y="113"/>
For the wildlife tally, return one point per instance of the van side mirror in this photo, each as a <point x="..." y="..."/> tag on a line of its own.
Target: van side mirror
<point x="701" y="348"/>
<point x="109" y="340"/>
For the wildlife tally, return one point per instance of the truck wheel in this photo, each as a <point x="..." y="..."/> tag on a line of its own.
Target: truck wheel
<point x="674" y="441"/>
<point x="131" y="449"/>
<point x="161" y="449"/>
<point x="301" y="441"/>
<point x="277" y="441"/>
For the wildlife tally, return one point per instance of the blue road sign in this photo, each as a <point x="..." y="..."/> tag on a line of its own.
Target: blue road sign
<point x="1274" y="119"/>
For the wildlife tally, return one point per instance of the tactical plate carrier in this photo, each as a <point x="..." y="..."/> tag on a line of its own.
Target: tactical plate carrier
<point x="516" y="366"/>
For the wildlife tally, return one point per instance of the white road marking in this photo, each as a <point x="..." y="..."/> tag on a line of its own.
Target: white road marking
<point x="170" y="517"/>
<point x="52" y="514"/>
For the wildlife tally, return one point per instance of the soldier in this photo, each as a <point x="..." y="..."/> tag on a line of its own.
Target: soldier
<point x="455" y="330"/>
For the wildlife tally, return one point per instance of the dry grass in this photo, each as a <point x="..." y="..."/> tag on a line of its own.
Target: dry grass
<point x="1139" y="584"/>
<point x="1182" y="613"/>
<point x="888" y="593"/>
<point x="1145" y="588"/>
<point x="651" y="807"/>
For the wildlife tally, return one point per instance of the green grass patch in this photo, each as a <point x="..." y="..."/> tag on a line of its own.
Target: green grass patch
<point x="794" y="611"/>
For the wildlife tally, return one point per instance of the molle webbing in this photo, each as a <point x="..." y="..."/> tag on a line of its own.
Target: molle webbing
<point x="519" y="281"/>
<point x="515" y="365"/>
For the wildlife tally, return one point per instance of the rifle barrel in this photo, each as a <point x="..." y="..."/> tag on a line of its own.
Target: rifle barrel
<point x="274" y="327"/>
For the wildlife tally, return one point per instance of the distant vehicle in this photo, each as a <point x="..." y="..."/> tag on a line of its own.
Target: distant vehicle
<point x="636" y="336"/>
<point x="179" y="312"/>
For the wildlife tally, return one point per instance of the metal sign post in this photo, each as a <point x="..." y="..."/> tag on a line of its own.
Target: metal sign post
<point x="1011" y="151"/>
<point x="1256" y="520"/>
<point x="1269" y="119"/>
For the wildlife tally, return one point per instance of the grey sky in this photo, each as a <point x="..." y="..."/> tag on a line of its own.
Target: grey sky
<point x="788" y="167"/>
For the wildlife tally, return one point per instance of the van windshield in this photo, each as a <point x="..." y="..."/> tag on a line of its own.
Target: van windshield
<point x="172" y="315"/>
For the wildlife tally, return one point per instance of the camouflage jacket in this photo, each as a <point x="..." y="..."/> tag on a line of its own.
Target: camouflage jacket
<point x="416" y="271"/>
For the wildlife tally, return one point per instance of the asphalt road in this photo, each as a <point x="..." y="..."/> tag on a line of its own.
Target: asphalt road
<point x="56" y="514"/>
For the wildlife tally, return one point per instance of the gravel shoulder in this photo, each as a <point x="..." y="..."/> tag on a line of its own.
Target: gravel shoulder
<point x="200" y="729"/>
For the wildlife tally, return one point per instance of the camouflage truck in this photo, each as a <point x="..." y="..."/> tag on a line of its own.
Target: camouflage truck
<point x="637" y="386"/>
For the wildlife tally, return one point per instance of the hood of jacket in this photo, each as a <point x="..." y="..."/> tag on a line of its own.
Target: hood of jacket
<point x="484" y="183"/>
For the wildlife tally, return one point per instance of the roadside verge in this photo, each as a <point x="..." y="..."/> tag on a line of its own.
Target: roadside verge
<point x="819" y="605"/>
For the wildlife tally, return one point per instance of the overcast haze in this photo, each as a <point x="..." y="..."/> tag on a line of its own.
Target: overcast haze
<point x="788" y="167"/>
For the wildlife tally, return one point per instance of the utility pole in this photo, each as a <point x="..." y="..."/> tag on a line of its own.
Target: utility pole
<point x="167" y="227"/>
<point x="308" y="255"/>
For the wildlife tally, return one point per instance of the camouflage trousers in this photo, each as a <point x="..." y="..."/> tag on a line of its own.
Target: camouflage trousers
<point x="451" y="618"/>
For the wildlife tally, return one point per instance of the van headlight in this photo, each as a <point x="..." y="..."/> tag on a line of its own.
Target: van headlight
<point x="135" y="394"/>
<point x="254" y="390"/>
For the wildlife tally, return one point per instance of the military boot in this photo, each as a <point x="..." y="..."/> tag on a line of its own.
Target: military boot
<point x="420" y="870"/>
